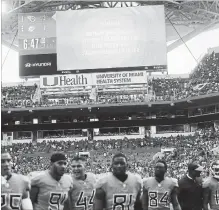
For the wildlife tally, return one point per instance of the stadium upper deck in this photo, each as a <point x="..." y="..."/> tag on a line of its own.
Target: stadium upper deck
<point x="156" y="90"/>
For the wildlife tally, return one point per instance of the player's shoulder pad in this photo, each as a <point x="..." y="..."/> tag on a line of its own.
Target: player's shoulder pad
<point x="175" y="182"/>
<point x="146" y="181"/>
<point x="27" y="182"/>
<point x="24" y="180"/>
<point x="21" y="177"/>
<point x="206" y="182"/>
<point x="37" y="177"/>
<point x="138" y="178"/>
<point x="68" y="178"/>
<point x="91" y="176"/>
<point x="102" y="182"/>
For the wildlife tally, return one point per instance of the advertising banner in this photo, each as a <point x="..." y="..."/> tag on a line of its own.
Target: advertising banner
<point x="95" y="79"/>
<point x="68" y="80"/>
<point x="117" y="78"/>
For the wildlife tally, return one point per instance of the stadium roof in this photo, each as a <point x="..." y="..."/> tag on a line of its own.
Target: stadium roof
<point x="185" y="19"/>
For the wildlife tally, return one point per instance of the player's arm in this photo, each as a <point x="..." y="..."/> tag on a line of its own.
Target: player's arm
<point x="138" y="204"/>
<point x="174" y="199"/>
<point x="34" y="193"/>
<point x="206" y="195"/>
<point x="68" y="203"/>
<point x="35" y="185"/>
<point x="26" y="203"/>
<point x="145" y="199"/>
<point x="99" y="199"/>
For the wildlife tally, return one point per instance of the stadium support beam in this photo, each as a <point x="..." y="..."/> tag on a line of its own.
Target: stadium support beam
<point x="191" y="35"/>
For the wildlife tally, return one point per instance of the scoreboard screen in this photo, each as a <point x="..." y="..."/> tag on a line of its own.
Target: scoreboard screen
<point x="36" y="33"/>
<point x="85" y="41"/>
<point x="37" y="43"/>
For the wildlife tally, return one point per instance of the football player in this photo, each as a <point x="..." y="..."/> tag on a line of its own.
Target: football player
<point x="211" y="188"/>
<point x="50" y="188"/>
<point x="82" y="195"/>
<point x="118" y="190"/>
<point x="14" y="187"/>
<point x="159" y="191"/>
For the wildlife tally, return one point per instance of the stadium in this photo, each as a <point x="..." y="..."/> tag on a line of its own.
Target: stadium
<point x="95" y="79"/>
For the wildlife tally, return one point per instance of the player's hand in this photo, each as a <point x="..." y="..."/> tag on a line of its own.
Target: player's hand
<point x="3" y="180"/>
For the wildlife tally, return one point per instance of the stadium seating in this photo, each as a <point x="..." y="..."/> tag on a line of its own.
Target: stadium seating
<point x="18" y="96"/>
<point x="204" y="80"/>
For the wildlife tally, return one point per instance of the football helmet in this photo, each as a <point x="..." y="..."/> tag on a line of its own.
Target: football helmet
<point x="214" y="169"/>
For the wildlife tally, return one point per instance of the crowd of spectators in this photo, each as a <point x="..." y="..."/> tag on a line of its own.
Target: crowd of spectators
<point x="18" y="96"/>
<point x="204" y="80"/>
<point x="115" y="98"/>
<point x="140" y="152"/>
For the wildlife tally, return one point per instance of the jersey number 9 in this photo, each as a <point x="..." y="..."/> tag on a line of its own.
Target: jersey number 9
<point x="57" y="199"/>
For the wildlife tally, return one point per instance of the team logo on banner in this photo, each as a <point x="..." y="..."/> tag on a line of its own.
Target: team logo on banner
<point x="50" y="82"/>
<point x="66" y="80"/>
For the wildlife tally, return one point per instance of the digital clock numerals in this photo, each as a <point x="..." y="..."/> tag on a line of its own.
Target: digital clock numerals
<point x="35" y="43"/>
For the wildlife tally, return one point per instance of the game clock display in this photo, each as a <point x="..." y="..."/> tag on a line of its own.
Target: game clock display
<point x="37" y="43"/>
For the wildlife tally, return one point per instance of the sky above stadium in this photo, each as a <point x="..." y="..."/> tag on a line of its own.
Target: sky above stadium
<point x="180" y="61"/>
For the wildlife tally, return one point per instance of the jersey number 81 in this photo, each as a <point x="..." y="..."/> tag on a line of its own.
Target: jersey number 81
<point x="122" y="202"/>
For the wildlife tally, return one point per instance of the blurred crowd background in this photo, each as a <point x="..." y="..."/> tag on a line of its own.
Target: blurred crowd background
<point x="141" y="153"/>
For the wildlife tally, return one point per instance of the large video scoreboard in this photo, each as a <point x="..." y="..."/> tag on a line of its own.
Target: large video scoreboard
<point x="37" y="44"/>
<point x="84" y="41"/>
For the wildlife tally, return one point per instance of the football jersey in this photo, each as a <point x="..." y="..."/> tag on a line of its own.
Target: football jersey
<point x="120" y="195"/>
<point x="13" y="190"/>
<point x="159" y="193"/>
<point x="52" y="193"/>
<point x="82" y="194"/>
<point x="213" y="186"/>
